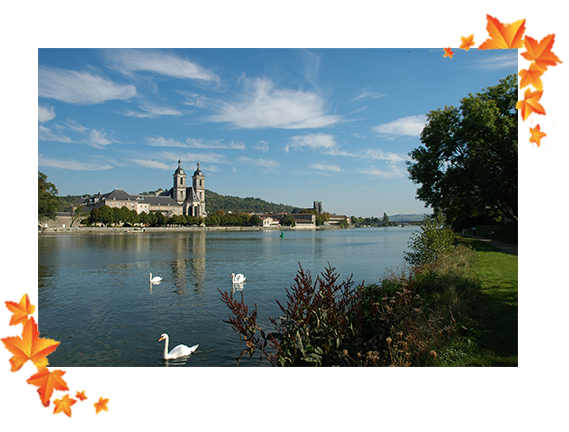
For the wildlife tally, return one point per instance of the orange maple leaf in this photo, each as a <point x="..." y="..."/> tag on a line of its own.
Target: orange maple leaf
<point x="467" y="42"/>
<point x="503" y="36"/>
<point x="530" y="104"/>
<point x="448" y="52"/>
<point x="101" y="405"/>
<point x="20" y="311"/>
<point x="536" y="135"/>
<point x="47" y="382"/>
<point x="540" y="52"/>
<point x="29" y="347"/>
<point x="82" y="398"/>
<point x="531" y="76"/>
<point x="63" y="405"/>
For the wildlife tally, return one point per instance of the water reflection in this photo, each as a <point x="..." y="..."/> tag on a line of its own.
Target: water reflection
<point x="93" y="297"/>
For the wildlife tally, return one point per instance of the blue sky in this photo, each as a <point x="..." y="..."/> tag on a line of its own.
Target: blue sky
<point x="286" y="125"/>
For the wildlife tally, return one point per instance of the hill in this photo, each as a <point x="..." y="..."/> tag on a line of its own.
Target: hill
<point x="406" y="217"/>
<point x="226" y="203"/>
<point x="213" y="201"/>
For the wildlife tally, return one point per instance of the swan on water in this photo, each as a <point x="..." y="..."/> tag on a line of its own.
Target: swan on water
<point x="179" y="351"/>
<point x="238" y="278"/>
<point x="155" y="279"/>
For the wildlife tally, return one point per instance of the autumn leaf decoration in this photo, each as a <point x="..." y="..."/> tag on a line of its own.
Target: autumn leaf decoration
<point x="538" y="58"/>
<point x="503" y="36"/>
<point x="29" y="347"/>
<point x="101" y="405"/>
<point x="47" y="382"/>
<point x="20" y="311"/>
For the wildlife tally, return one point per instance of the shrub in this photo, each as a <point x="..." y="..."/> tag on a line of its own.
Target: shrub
<point x="433" y="241"/>
<point x="319" y="322"/>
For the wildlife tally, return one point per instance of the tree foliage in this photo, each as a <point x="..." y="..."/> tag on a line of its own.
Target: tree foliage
<point x="468" y="164"/>
<point x="432" y="241"/>
<point x="216" y="202"/>
<point x="48" y="202"/>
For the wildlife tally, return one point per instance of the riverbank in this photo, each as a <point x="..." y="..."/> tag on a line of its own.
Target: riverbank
<point x="139" y="230"/>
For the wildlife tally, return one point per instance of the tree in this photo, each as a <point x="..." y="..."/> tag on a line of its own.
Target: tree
<point x="48" y="202"/>
<point x="288" y="220"/>
<point x="385" y="220"/>
<point x="468" y="164"/>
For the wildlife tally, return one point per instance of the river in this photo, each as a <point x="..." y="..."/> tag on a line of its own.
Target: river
<point x="95" y="297"/>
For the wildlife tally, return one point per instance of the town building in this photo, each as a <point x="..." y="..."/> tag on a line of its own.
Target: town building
<point x="181" y="199"/>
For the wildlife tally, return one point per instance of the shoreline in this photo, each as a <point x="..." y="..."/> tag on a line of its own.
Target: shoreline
<point x="141" y="230"/>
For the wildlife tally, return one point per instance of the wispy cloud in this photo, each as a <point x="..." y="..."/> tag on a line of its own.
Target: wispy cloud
<point x="326" y="144"/>
<point x="46" y="134"/>
<point x="506" y="60"/>
<point x="45" y="113"/>
<point x="378" y="154"/>
<point x="73" y="164"/>
<point x="98" y="138"/>
<point x="152" y="164"/>
<point x="326" y="168"/>
<point x="311" y="65"/>
<point x="158" y="141"/>
<point x="161" y="63"/>
<point x="153" y="111"/>
<point x="411" y="126"/>
<point x="264" y="106"/>
<point x="262" y="145"/>
<point x="366" y="94"/>
<point x="81" y="88"/>
<point x="319" y="141"/>
<point x="193" y="99"/>
<point x="393" y="171"/>
<point x="269" y="165"/>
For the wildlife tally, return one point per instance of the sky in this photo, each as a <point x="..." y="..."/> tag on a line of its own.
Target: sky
<point x="288" y="126"/>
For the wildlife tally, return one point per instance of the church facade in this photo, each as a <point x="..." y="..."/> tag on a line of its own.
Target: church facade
<point x="182" y="199"/>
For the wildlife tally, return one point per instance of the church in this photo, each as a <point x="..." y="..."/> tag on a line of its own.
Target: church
<point x="181" y="199"/>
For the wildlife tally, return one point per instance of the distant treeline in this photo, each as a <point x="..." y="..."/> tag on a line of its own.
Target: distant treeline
<point x="214" y="202"/>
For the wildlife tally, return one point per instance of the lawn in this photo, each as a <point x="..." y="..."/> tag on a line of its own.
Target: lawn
<point x="496" y="314"/>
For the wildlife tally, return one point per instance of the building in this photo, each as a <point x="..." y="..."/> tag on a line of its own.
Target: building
<point x="182" y="199"/>
<point x="337" y="219"/>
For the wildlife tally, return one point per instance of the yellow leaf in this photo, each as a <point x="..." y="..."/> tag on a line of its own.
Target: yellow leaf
<point x="503" y="36"/>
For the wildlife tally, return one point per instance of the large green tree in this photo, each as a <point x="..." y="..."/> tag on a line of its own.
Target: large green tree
<point x="48" y="201"/>
<point x="467" y="166"/>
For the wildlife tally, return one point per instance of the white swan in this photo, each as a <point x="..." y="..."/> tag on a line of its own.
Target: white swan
<point x="155" y="279"/>
<point x="179" y="351"/>
<point x="239" y="278"/>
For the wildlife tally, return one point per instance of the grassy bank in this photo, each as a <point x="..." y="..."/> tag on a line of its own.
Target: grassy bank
<point x="492" y="336"/>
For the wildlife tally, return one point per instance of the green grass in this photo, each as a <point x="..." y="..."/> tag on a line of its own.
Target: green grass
<point x="493" y="340"/>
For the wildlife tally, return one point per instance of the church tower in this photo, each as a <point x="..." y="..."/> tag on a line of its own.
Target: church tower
<point x="198" y="183"/>
<point x="179" y="189"/>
